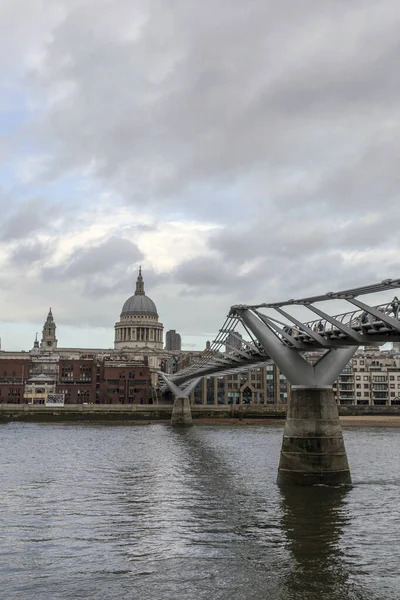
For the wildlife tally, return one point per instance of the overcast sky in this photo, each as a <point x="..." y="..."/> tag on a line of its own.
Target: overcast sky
<point x="239" y="151"/>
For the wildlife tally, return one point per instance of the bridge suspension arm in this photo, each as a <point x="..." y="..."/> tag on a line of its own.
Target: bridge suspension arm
<point x="378" y="314"/>
<point x="343" y="328"/>
<point x="321" y="341"/>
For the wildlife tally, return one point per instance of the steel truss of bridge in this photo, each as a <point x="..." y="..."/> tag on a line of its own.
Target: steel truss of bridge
<point x="237" y="346"/>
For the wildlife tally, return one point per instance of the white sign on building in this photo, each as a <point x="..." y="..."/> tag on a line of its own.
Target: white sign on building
<point x="55" y="400"/>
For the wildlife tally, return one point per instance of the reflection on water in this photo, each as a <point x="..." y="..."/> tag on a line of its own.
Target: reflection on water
<point x="155" y="512"/>
<point x="313" y="520"/>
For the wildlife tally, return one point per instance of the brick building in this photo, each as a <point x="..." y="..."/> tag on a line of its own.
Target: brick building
<point x="81" y="379"/>
<point x="126" y="383"/>
<point x="13" y="372"/>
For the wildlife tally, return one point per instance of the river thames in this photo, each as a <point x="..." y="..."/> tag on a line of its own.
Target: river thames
<point x="151" y="512"/>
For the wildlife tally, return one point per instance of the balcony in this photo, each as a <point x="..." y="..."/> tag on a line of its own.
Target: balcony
<point x="380" y="396"/>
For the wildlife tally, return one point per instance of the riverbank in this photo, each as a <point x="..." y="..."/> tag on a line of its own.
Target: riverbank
<point x="383" y="416"/>
<point x="355" y="421"/>
<point x="370" y="421"/>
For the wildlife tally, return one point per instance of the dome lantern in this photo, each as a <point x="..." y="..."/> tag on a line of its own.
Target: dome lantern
<point x="139" y="284"/>
<point x="139" y="303"/>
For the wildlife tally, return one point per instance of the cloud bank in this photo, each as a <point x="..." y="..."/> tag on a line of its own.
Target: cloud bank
<point x="241" y="152"/>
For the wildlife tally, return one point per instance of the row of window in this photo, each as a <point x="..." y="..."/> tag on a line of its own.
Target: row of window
<point x="85" y="372"/>
<point x="13" y="392"/>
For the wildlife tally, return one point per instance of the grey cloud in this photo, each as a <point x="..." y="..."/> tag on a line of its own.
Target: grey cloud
<point x="121" y="282"/>
<point x="29" y="217"/>
<point x="109" y="258"/>
<point x="100" y="258"/>
<point x="298" y="237"/>
<point x="189" y="101"/>
<point x="276" y="278"/>
<point x="278" y="120"/>
<point x="28" y="253"/>
<point x="206" y="276"/>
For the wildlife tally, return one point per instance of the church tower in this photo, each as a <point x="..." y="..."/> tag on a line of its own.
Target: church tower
<point x="49" y="340"/>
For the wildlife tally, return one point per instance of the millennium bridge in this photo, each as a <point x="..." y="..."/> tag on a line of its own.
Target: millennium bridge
<point x="311" y="354"/>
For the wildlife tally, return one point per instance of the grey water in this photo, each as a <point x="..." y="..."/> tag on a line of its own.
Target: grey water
<point x="151" y="512"/>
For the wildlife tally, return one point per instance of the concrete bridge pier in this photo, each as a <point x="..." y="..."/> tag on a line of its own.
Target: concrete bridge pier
<point x="313" y="450"/>
<point x="181" y="411"/>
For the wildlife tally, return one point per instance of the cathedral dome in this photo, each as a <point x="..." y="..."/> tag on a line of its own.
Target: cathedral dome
<point x="139" y="303"/>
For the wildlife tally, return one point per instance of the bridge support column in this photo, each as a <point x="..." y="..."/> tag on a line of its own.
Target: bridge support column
<point x="181" y="412"/>
<point x="313" y="450"/>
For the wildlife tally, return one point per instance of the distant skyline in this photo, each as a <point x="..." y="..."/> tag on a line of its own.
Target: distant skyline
<point x="238" y="151"/>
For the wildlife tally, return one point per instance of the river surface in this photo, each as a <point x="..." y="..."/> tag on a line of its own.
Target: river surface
<point x="151" y="512"/>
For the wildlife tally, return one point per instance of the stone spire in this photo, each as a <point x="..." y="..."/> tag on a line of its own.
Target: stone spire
<point x="49" y="340"/>
<point x="139" y="284"/>
<point x="36" y="347"/>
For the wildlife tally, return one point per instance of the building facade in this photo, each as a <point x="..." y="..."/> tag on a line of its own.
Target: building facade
<point x="173" y="340"/>
<point x="81" y="379"/>
<point x="371" y="378"/>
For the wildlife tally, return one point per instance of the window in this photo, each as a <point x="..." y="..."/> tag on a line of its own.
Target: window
<point x="85" y="372"/>
<point x="83" y="395"/>
<point x="366" y="378"/>
<point x="14" y="392"/>
<point x="358" y="377"/>
<point x="67" y="372"/>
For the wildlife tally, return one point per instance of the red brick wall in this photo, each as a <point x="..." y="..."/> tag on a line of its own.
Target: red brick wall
<point x="125" y="384"/>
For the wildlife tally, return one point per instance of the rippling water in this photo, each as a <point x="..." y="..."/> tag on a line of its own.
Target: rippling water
<point x="151" y="512"/>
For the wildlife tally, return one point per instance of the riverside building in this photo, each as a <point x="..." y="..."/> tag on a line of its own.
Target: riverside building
<point x="372" y="378"/>
<point x="126" y="374"/>
<point x="129" y="373"/>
